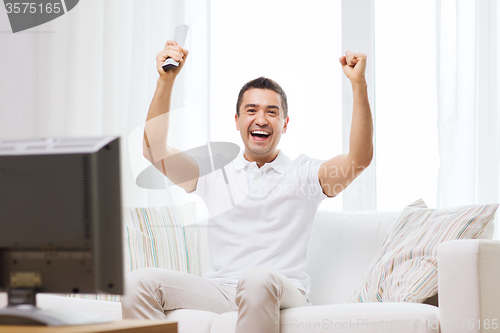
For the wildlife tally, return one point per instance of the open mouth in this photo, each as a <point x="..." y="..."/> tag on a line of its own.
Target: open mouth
<point x="260" y="135"/>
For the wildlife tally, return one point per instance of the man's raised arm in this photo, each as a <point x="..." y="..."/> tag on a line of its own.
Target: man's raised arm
<point x="179" y="167"/>
<point x="337" y="173"/>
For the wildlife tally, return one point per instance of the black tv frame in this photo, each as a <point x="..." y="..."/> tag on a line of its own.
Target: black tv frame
<point x="60" y="221"/>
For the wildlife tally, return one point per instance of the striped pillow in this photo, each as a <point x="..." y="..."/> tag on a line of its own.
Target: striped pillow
<point x="164" y="237"/>
<point x="405" y="268"/>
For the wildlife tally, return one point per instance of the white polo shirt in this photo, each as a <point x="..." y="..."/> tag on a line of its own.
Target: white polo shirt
<point x="262" y="217"/>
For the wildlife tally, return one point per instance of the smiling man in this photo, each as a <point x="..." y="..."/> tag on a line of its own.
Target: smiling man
<point x="261" y="205"/>
<point x="261" y="119"/>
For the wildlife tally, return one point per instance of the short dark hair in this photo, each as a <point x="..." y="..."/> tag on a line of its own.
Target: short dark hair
<point x="263" y="83"/>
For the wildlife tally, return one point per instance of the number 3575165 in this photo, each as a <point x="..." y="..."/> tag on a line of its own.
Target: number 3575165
<point x="33" y="8"/>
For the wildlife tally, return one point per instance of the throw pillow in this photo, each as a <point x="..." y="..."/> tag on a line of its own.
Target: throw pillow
<point x="163" y="237"/>
<point x="405" y="268"/>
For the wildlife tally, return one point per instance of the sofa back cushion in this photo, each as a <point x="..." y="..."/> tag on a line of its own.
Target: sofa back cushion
<point x="342" y="246"/>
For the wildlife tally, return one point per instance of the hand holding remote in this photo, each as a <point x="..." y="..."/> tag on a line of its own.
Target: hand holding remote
<point x="172" y="58"/>
<point x="180" y="38"/>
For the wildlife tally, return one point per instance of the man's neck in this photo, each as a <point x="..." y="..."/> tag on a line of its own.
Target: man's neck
<point x="262" y="159"/>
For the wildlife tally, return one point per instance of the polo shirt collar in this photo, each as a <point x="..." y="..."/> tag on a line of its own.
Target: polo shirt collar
<point x="279" y="164"/>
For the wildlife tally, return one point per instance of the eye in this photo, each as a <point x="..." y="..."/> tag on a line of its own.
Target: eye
<point x="250" y="110"/>
<point x="273" y="112"/>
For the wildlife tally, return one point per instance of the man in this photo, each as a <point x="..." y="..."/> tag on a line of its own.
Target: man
<point x="261" y="205"/>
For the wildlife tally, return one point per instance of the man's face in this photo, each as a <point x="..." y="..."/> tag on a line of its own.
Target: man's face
<point x="261" y="123"/>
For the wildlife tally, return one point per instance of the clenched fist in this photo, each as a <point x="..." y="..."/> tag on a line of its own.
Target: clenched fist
<point x="354" y="65"/>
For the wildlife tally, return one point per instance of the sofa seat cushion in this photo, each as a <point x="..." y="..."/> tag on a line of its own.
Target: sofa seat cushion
<point x="189" y="321"/>
<point x="225" y="322"/>
<point x="361" y="317"/>
<point x="110" y="310"/>
<point x="364" y="317"/>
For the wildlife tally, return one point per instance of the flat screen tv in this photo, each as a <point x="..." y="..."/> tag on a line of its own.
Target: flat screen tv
<point x="60" y="224"/>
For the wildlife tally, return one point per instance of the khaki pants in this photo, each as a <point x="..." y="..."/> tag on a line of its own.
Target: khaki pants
<point x="258" y="298"/>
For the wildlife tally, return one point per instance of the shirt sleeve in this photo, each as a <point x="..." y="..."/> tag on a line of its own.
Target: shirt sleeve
<point x="313" y="180"/>
<point x="206" y="167"/>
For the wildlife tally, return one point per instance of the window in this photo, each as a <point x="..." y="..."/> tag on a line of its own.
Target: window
<point x="406" y="105"/>
<point x="296" y="45"/>
<point x="299" y="45"/>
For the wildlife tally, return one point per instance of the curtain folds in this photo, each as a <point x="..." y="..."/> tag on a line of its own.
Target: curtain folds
<point x="92" y="72"/>
<point x="468" y="104"/>
<point x="358" y="35"/>
<point x="95" y="74"/>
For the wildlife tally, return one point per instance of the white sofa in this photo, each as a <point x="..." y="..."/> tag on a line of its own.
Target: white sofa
<point x="342" y="246"/>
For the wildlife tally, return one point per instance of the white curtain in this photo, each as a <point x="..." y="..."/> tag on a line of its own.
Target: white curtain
<point x="358" y="35"/>
<point x="92" y="71"/>
<point x="468" y="80"/>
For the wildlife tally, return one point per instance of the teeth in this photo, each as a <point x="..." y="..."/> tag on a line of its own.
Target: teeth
<point x="260" y="132"/>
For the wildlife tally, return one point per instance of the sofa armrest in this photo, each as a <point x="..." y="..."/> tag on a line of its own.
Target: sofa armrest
<point x="468" y="289"/>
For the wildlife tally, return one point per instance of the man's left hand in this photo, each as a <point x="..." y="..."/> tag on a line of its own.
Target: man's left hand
<point x="354" y="65"/>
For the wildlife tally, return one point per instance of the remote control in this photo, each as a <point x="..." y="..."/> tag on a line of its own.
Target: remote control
<point x="180" y="38"/>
